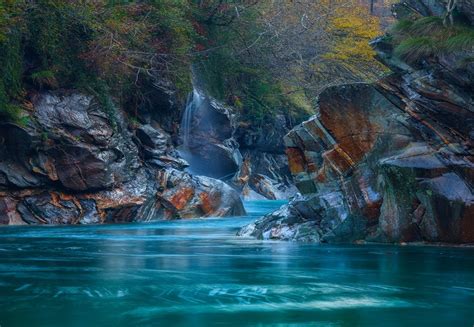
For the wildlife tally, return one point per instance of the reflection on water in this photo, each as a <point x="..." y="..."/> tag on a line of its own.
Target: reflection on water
<point x="198" y="273"/>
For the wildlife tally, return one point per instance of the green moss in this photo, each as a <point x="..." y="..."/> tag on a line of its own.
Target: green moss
<point x="44" y="78"/>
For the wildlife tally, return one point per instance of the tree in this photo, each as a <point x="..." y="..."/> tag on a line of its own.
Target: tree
<point x="293" y="48"/>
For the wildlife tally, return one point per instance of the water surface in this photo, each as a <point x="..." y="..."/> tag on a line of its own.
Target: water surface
<point x="198" y="273"/>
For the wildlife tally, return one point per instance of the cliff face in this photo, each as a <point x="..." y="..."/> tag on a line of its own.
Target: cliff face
<point x="72" y="164"/>
<point x="264" y="171"/>
<point x="388" y="162"/>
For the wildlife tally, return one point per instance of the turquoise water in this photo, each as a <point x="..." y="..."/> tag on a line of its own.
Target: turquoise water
<point x="198" y="273"/>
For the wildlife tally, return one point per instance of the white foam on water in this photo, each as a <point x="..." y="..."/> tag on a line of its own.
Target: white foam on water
<point x="338" y="303"/>
<point x="23" y="287"/>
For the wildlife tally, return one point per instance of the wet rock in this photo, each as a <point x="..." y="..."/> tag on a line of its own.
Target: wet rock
<point x="75" y="144"/>
<point x="264" y="170"/>
<point x="187" y="196"/>
<point x="288" y="223"/>
<point x="49" y="208"/>
<point x="17" y="147"/>
<point x="157" y="149"/>
<point x="80" y="169"/>
<point x="8" y="211"/>
<point x="387" y="162"/>
<point x="73" y="165"/>
<point x="207" y="131"/>
<point x="154" y="141"/>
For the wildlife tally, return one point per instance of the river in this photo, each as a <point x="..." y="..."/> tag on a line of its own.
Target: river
<point x="198" y="273"/>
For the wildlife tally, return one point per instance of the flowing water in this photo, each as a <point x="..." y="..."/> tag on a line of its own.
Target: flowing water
<point x="198" y="273"/>
<point x="195" y="100"/>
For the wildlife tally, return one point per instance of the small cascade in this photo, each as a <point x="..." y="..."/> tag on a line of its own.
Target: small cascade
<point x="195" y="100"/>
<point x="206" y="134"/>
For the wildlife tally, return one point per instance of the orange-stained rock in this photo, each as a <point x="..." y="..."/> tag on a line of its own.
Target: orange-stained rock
<point x="8" y="212"/>
<point x="181" y="198"/>
<point x="296" y="160"/>
<point x="351" y="120"/>
<point x="390" y="161"/>
<point x="72" y="165"/>
<point x="371" y="167"/>
<point x="207" y="203"/>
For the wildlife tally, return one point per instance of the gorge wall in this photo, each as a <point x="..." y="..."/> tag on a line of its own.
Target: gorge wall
<point x="386" y="162"/>
<point x="72" y="163"/>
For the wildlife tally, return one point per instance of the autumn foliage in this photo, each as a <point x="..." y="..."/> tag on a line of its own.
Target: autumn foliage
<point x="263" y="57"/>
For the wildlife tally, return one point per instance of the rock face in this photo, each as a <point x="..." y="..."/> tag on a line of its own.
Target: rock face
<point x="388" y="162"/>
<point x="264" y="172"/>
<point x="207" y="131"/>
<point x="72" y="164"/>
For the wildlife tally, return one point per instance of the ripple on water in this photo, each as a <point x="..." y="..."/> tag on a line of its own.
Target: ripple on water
<point x="198" y="273"/>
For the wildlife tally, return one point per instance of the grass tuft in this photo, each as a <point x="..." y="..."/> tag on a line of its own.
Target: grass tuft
<point x="428" y="37"/>
<point x="427" y="26"/>
<point x="403" y="26"/>
<point x="11" y="113"/>
<point x="460" y="42"/>
<point x="414" y="49"/>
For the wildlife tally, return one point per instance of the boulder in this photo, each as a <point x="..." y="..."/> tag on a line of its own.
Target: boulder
<point x="185" y="196"/>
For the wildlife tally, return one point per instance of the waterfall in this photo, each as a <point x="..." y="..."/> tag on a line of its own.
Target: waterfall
<point x="206" y="135"/>
<point x="195" y="100"/>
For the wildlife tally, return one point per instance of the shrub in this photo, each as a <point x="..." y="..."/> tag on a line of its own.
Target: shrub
<point x="116" y="44"/>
